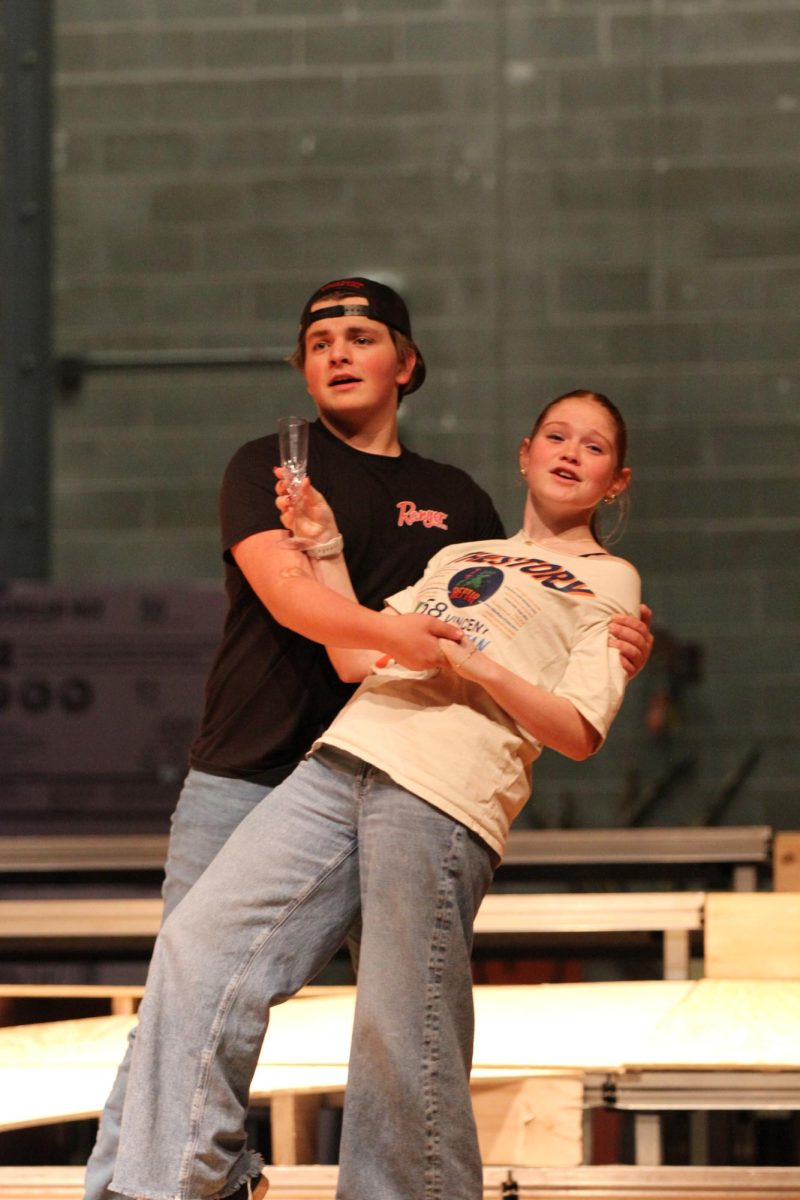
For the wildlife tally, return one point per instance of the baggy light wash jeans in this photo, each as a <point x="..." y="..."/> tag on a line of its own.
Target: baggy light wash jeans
<point x="209" y="809"/>
<point x="268" y="913"/>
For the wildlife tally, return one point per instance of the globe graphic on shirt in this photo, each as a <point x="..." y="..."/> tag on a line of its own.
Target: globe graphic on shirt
<point x="473" y="586"/>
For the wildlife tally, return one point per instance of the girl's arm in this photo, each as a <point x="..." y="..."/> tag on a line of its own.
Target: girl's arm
<point x="552" y="720"/>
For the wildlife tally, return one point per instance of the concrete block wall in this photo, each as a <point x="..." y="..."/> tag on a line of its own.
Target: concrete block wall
<point x="571" y="193"/>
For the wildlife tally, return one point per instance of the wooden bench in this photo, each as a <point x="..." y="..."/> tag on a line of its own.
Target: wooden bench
<point x="745" y="849"/>
<point x="673" y="915"/>
<point x="122" y="999"/>
<point x="79" y="921"/>
<point x="527" y="1183"/>
<point x="66" y="854"/>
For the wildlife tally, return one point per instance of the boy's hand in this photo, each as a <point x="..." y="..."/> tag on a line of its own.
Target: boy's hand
<point x="416" y="641"/>
<point x="308" y="516"/>
<point x="633" y="639"/>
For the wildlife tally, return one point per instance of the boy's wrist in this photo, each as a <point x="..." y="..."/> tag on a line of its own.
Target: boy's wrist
<point x="388" y="633"/>
<point x="327" y="549"/>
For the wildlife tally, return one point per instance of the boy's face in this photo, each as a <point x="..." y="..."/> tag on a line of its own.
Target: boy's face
<point x="351" y="367"/>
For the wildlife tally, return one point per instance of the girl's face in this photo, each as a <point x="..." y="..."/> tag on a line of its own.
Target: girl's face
<point x="571" y="460"/>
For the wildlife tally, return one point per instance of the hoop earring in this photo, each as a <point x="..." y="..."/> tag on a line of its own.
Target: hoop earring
<point x="618" y="522"/>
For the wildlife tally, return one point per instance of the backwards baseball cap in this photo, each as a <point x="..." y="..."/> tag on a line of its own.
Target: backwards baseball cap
<point x="383" y="304"/>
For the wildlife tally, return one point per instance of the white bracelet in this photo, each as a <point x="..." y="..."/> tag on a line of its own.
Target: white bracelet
<point x="327" y="549"/>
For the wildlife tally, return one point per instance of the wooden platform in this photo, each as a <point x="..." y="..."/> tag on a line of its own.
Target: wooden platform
<point x="550" y="1049"/>
<point x="528" y="1183"/>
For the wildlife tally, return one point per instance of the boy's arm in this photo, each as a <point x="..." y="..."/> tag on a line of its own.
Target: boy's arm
<point x="284" y="581"/>
<point x="351" y="665"/>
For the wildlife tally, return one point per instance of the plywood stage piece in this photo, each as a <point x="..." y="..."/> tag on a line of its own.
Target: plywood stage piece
<point x="586" y="1026"/>
<point x="65" y="1069"/>
<point x="724" y="1024"/>
<point x="752" y="935"/>
<point x="534" y="1120"/>
<point x="786" y="862"/>
<point x="59" y="1070"/>
<point x="539" y="1039"/>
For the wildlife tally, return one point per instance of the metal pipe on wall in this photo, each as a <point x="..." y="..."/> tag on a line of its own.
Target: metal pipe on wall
<point x="25" y="270"/>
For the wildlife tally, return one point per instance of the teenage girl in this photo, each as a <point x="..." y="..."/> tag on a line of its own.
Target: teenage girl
<point x="401" y="811"/>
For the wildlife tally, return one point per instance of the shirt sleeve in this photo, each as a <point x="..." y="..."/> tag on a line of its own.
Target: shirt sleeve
<point x="491" y="525"/>
<point x="247" y="495"/>
<point x="594" y="679"/>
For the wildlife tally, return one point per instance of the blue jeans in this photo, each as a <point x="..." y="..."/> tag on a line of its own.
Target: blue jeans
<point x="208" y="811"/>
<point x="265" y="917"/>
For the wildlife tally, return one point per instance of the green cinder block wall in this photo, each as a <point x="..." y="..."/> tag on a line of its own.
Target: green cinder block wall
<point x="594" y="193"/>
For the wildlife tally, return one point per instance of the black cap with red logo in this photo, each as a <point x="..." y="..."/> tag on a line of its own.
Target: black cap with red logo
<point x="383" y="304"/>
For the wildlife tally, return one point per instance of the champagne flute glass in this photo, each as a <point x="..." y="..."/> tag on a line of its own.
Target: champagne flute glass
<point x="293" y="439"/>
<point x="293" y="443"/>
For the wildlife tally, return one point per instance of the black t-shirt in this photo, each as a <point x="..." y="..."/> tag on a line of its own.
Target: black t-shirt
<point x="271" y="692"/>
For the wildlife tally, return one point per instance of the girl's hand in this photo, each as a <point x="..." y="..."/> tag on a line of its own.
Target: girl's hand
<point x="309" y="517"/>
<point x="464" y="657"/>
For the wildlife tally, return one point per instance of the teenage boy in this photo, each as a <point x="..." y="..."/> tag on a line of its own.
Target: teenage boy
<point x="272" y="689"/>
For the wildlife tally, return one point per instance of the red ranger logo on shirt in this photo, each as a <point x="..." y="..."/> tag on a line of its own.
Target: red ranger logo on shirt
<point x="409" y="514"/>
